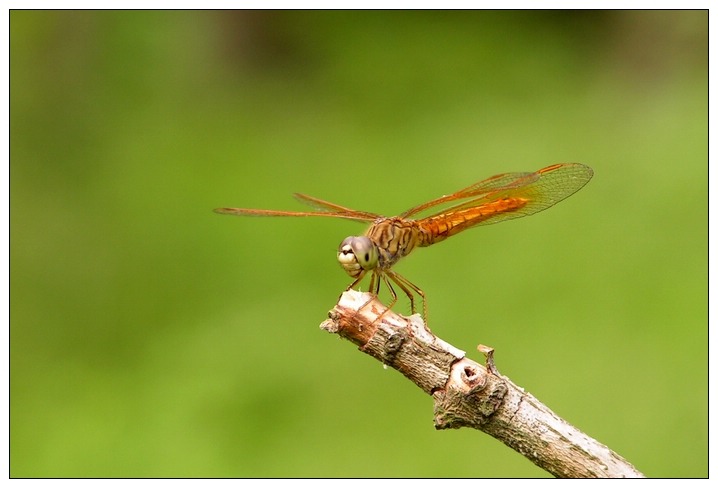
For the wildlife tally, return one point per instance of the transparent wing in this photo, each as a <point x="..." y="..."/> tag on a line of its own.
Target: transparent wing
<point x="326" y="209"/>
<point x="323" y="205"/>
<point x="495" y="183"/>
<point x="504" y="197"/>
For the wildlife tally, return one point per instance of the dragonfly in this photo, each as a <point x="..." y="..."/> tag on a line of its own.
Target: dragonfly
<point x="388" y="239"/>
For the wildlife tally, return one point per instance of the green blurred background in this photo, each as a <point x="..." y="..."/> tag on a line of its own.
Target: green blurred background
<point x="152" y="337"/>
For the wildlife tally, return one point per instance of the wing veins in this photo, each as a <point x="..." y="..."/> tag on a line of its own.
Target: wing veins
<point x="253" y="212"/>
<point x="540" y="190"/>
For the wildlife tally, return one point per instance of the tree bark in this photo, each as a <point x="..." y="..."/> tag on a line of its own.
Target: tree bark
<point x="468" y="394"/>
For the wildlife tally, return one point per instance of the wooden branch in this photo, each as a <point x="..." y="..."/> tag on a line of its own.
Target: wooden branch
<point x="467" y="394"/>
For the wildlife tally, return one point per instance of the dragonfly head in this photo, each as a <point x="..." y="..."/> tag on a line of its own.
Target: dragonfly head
<point x="357" y="255"/>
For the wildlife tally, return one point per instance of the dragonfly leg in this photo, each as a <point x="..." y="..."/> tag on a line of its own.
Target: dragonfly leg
<point x="391" y="291"/>
<point x="407" y="287"/>
<point x="357" y="281"/>
<point x="406" y="292"/>
<point x="377" y="278"/>
<point x="374" y="284"/>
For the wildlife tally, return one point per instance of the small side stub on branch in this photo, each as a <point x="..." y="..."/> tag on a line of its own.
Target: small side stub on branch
<point x="471" y="396"/>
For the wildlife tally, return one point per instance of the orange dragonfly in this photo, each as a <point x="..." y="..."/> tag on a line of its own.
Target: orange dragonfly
<point x="500" y="198"/>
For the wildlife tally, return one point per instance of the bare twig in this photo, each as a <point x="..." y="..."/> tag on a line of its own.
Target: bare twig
<point x="466" y="394"/>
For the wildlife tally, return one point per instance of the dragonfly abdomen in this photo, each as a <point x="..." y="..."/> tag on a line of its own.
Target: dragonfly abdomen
<point x="439" y="227"/>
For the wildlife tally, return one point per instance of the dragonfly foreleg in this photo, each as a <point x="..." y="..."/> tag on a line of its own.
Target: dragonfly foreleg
<point x="374" y="284"/>
<point x="357" y="281"/>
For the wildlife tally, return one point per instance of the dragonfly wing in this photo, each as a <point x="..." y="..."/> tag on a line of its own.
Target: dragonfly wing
<point x="323" y="206"/>
<point x="252" y="212"/>
<point x="495" y="183"/>
<point x="324" y="209"/>
<point x="519" y="198"/>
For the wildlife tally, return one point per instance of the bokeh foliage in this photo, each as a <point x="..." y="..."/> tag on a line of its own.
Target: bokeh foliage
<point x="151" y="337"/>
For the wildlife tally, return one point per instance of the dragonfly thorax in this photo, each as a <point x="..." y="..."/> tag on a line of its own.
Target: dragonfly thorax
<point x="357" y="254"/>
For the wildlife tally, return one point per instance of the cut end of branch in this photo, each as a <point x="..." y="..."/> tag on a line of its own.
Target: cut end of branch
<point x="357" y="317"/>
<point x="404" y="343"/>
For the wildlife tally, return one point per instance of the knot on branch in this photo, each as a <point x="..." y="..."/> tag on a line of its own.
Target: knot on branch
<point x="471" y="396"/>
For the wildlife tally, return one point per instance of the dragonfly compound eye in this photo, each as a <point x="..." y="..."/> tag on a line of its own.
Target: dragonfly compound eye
<point x="357" y="254"/>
